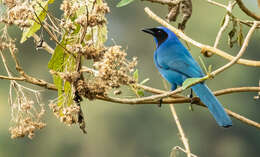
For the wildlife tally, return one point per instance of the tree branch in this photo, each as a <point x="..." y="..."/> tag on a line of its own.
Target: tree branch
<point x="240" y="53"/>
<point x="203" y="47"/>
<point x="44" y="44"/>
<point x="28" y="78"/>
<point x="183" y="137"/>
<point x="165" y="2"/>
<point x="12" y="78"/>
<point x="243" y="119"/>
<point x="225" y="24"/>
<point x="247" y="11"/>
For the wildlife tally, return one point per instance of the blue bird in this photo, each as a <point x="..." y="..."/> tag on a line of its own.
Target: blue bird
<point x="176" y="64"/>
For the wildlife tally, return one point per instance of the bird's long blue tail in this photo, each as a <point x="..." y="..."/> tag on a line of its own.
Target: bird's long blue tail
<point x="214" y="106"/>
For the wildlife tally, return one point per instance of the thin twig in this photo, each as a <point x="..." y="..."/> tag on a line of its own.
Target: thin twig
<point x="218" y="4"/>
<point x="44" y="44"/>
<point x="165" y="2"/>
<point x="183" y="137"/>
<point x="28" y="78"/>
<point x="52" y="35"/>
<point x="243" y="119"/>
<point x="236" y="90"/>
<point x="221" y="30"/>
<point x="200" y="45"/>
<point x="12" y="78"/>
<point x="247" y="11"/>
<point x="177" y="121"/>
<point x="181" y="149"/>
<point x="225" y="24"/>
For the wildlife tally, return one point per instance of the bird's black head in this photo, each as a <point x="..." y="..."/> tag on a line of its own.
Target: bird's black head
<point x="159" y="34"/>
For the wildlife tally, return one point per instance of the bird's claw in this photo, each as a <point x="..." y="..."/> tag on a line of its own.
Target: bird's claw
<point x="160" y="103"/>
<point x="194" y="100"/>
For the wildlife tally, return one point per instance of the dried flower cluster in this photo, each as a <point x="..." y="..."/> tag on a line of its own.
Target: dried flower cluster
<point x="93" y="18"/>
<point x="70" y="7"/>
<point x="26" y="127"/>
<point x="18" y="13"/>
<point x="91" y="52"/>
<point x="6" y="44"/>
<point x="91" y="89"/>
<point x="68" y="25"/>
<point x="113" y="70"/>
<point x="67" y="115"/>
<point x="96" y="17"/>
<point x="26" y="118"/>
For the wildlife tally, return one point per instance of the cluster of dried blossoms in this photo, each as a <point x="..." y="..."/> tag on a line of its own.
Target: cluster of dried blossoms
<point x="5" y="44"/>
<point x="110" y="67"/>
<point x="19" y="12"/>
<point x="26" y="118"/>
<point x="67" y="115"/>
<point x="114" y="68"/>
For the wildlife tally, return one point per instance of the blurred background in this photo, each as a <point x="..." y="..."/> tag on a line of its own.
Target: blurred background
<point x="145" y="130"/>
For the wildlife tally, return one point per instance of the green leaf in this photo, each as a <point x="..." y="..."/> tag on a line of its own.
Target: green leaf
<point x="191" y="81"/>
<point x="240" y="37"/>
<point x="135" y="75"/>
<point x="41" y="14"/>
<point x="51" y="1"/>
<point x="140" y="92"/>
<point x="124" y="3"/>
<point x="56" y="64"/>
<point x="57" y="58"/>
<point x="58" y="83"/>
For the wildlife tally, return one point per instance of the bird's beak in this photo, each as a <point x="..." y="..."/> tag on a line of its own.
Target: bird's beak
<point x="149" y="31"/>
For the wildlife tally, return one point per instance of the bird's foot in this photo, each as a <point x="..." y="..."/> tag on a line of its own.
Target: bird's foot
<point x="194" y="100"/>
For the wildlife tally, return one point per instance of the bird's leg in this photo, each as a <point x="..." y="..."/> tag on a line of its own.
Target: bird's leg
<point x="191" y="97"/>
<point x="191" y="94"/>
<point x="193" y="100"/>
<point x="160" y="104"/>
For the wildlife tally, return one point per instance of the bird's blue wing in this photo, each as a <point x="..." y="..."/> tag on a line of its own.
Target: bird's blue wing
<point x="183" y="64"/>
<point x="186" y="67"/>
